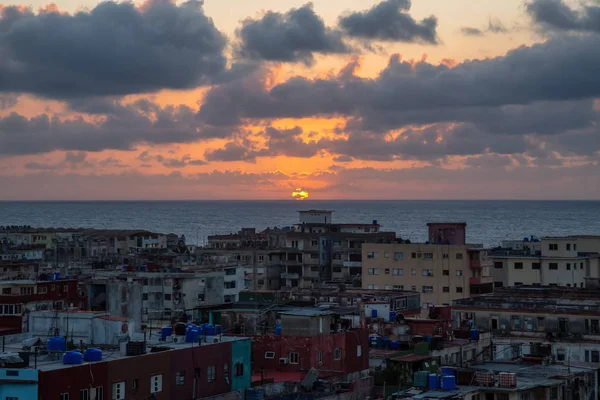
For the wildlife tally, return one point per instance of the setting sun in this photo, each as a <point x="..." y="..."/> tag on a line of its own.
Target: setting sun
<point x="300" y="194"/>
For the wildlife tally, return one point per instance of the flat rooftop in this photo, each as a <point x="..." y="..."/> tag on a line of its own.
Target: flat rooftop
<point x="55" y="361"/>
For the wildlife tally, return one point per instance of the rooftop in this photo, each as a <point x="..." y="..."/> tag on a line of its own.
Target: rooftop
<point x="315" y="211"/>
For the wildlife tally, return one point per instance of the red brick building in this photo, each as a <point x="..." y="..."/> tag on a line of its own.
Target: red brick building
<point x="19" y="296"/>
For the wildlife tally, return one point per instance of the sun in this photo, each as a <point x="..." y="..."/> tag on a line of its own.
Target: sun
<point x="300" y="194"/>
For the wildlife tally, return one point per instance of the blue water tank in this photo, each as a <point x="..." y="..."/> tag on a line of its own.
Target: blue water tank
<point x="192" y="335"/>
<point x="379" y="342"/>
<point x="449" y="382"/>
<point x="434" y="381"/>
<point x="428" y="339"/>
<point x="373" y="313"/>
<point x="448" y="371"/>
<point x="57" y="343"/>
<point x="526" y="239"/>
<point x="92" y="354"/>
<point x="165" y="332"/>
<point x="209" y="329"/>
<point x="474" y="334"/>
<point x="393" y="316"/>
<point x="73" y="357"/>
<point x="278" y="330"/>
<point x="395" y="344"/>
<point x="218" y="330"/>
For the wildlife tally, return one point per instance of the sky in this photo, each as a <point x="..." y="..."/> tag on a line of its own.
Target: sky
<point x="344" y="99"/>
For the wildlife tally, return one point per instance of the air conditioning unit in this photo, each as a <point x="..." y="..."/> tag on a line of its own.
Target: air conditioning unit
<point x="179" y="339"/>
<point x="283" y="361"/>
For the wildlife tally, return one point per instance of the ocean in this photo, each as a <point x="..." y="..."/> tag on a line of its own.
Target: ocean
<point x="488" y="222"/>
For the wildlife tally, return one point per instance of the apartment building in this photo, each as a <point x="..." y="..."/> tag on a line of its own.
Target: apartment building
<point x="558" y="322"/>
<point x="318" y="250"/>
<point x="551" y="261"/>
<point x="442" y="270"/>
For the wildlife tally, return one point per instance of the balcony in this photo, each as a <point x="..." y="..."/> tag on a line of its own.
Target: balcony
<point x="352" y="264"/>
<point x="291" y="262"/>
<point x="478" y="264"/>
<point x="286" y="275"/>
<point x="481" y="280"/>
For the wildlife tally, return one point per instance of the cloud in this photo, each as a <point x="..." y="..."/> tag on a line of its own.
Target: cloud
<point x="123" y="128"/>
<point x="291" y="37"/>
<point x="494" y="26"/>
<point x="114" y="49"/>
<point x="170" y="162"/>
<point x="8" y="101"/>
<point x="556" y="15"/>
<point x="75" y="161"/>
<point x="389" y="21"/>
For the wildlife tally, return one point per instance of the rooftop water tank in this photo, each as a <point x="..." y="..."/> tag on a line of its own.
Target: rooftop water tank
<point x="165" y="332"/>
<point x="434" y="381"/>
<point x="57" y="343"/>
<point x="373" y="313"/>
<point x="392" y="316"/>
<point x="192" y="335"/>
<point x="449" y="382"/>
<point x="209" y="329"/>
<point x="92" y="354"/>
<point x="73" y="357"/>
<point x="278" y="330"/>
<point x="474" y="334"/>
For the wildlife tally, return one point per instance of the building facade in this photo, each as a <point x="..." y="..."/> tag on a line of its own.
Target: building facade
<point x="440" y="272"/>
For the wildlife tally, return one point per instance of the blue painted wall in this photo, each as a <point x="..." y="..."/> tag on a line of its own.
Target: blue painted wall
<point x="19" y="383"/>
<point x="241" y="354"/>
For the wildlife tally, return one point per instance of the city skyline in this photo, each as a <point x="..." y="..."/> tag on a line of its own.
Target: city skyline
<point x="342" y="99"/>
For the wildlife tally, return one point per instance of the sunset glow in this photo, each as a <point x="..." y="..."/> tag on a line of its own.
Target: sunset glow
<point x="300" y="194"/>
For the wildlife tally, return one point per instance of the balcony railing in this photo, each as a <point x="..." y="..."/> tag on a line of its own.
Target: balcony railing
<point x="286" y="275"/>
<point x="481" y="280"/>
<point x="352" y="264"/>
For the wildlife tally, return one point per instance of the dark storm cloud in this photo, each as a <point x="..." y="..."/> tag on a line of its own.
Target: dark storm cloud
<point x="114" y="49"/>
<point x="406" y="92"/>
<point x="555" y="14"/>
<point x="125" y="128"/>
<point x="389" y="21"/>
<point x="291" y="37"/>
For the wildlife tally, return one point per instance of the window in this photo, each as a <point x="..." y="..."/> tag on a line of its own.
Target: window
<point x="230" y="271"/>
<point x="398" y="255"/>
<point x="560" y="355"/>
<point x="372" y="254"/>
<point x="270" y="355"/>
<point x="525" y="396"/>
<point x="8" y="291"/>
<point x="398" y="287"/>
<point x="359" y="351"/>
<point x="211" y="373"/>
<point x="427" y="289"/>
<point x="587" y="356"/>
<point x="459" y="272"/>
<point x="568" y="266"/>
<point x="459" y="256"/>
<point x="553" y="266"/>
<point x="387" y="271"/>
<point x="445" y="256"/>
<point x="26" y="290"/>
<point x="388" y="287"/>
<point x="53" y="288"/>
<point x="230" y="285"/>
<point x="12" y="372"/>
<point x="574" y="246"/>
<point x="42" y="290"/>
<point x="261" y="258"/>
<point x="595" y="327"/>
<point x="428" y="256"/>
<point x="167" y="296"/>
<point x="294" y="358"/>
<point x="518" y="283"/>
<point x="498" y="264"/>
<point x="568" y="246"/>
<point x="238" y="369"/>
<point x="144" y="296"/>
<point x="156" y="384"/>
<point x="226" y="371"/>
<point x="180" y="378"/>
<point x="459" y="289"/>
<point x="446" y="272"/>
<point x="595" y="356"/>
<point x="134" y="384"/>
<point x="314" y="256"/>
<point x="427" y="272"/>
<point x="413" y="287"/>
<point x="413" y="271"/>
<point x="541" y="324"/>
<point x="446" y="289"/>
<point x="337" y="354"/>
<point x="536" y="265"/>
<point x="386" y="255"/>
<point x="314" y="242"/>
<point x="398" y="271"/>
<point x="518" y="265"/>
<point x="553" y="246"/>
<point x="373" y="271"/>
<point x="320" y="357"/>
<point x="516" y="322"/>
<point x="84" y="394"/>
<point x="581" y="266"/>
<point x="413" y="255"/>
<point x="64" y="396"/>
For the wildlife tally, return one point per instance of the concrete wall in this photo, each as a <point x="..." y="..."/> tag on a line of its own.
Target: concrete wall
<point x="294" y="325"/>
<point x="241" y="353"/>
<point x="24" y="386"/>
<point x="569" y="272"/>
<point x="124" y="299"/>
